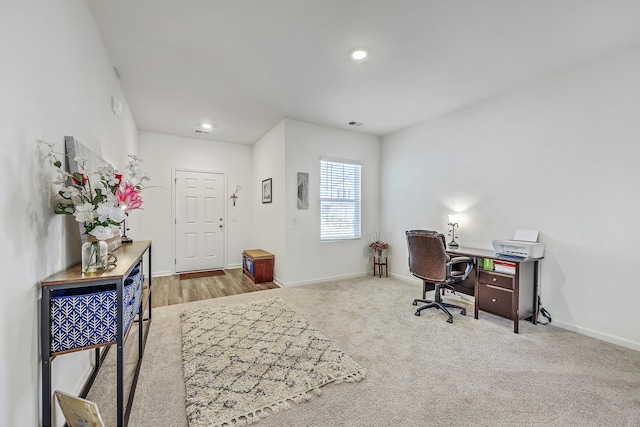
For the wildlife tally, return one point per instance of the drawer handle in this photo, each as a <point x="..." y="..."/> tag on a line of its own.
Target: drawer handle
<point x="495" y="280"/>
<point x="494" y="300"/>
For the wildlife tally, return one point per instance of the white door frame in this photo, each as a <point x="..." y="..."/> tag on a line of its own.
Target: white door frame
<point x="173" y="213"/>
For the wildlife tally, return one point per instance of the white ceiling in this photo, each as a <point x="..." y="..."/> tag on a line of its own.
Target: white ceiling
<point x="244" y="65"/>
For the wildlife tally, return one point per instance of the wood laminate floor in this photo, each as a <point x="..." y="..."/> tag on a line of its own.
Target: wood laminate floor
<point x="169" y="290"/>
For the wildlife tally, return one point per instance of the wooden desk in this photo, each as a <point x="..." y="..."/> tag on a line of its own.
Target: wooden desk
<point x="129" y="256"/>
<point x="513" y="296"/>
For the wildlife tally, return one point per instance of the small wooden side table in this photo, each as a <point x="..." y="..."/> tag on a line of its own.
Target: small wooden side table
<point x="379" y="265"/>
<point x="257" y="264"/>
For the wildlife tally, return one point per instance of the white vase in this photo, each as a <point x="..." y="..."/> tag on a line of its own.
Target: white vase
<point x="95" y="255"/>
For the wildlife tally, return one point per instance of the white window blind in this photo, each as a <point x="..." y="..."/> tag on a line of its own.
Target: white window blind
<point x="339" y="199"/>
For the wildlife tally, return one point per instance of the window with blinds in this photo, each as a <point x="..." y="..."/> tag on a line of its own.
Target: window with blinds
<point x="339" y="199"/>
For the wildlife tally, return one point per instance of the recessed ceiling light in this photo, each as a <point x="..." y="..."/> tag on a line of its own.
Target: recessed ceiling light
<point x="206" y="126"/>
<point x="359" y="54"/>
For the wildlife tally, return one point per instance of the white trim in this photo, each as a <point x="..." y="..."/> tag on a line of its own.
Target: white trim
<point x="598" y="335"/>
<point x="322" y="279"/>
<point x="339" y="160"/>
<point x="162" y="273"/>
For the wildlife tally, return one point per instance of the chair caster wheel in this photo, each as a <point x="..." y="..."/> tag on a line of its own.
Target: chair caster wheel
<point x="463" y="312"/>
<point x="417" y="313"/>
<point x="415" y="303"/>
<point x="449" y="320"/>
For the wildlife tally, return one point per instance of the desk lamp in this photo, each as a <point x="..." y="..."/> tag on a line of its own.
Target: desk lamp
<point x="453" y="223"/>
<point x="125" y="238"/>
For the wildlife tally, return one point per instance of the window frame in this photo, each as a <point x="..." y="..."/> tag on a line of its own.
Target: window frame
<point x="330" y="231"/>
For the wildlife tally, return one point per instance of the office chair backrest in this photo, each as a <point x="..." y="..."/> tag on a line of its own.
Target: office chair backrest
<point x="427" y="255"/>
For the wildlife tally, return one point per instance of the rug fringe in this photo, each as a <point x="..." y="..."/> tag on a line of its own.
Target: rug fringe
<point x="254" y="417"/>
<point x="350" y="378"/>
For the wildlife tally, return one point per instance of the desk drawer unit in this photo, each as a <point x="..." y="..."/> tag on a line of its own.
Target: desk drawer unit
<point x="495" y="293"/>
<point x="496" y="300"/>
<point x="506" y="295"/>
<point x="491" y="278"/>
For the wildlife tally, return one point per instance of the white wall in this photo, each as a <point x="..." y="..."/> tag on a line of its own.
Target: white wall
<point x="268" y="231"/>
<point x="307" y="258"/>
<point x="162" y="153"/>
<point x="559" y="155"/>
<point x="56" y="79"/>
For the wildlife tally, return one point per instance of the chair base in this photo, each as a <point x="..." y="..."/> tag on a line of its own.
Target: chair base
<point x="437" y="303"/>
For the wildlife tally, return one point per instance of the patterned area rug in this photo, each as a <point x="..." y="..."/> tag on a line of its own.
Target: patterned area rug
<point x="244" y="362"/>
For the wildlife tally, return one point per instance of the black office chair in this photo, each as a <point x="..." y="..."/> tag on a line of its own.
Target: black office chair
<point x="428" y="260"/>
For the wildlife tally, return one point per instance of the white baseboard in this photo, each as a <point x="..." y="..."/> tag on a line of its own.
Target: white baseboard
<point x="406" y="279"/>
<point x="162" y="273"/>
<point x="319" y="280"/>
<point x="598" y="335"/>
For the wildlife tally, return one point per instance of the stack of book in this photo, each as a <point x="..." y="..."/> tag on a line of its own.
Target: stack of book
<point x="504" y="267"/>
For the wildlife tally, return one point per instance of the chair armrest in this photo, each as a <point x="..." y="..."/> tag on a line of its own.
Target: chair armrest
<point x="460" y="260"/>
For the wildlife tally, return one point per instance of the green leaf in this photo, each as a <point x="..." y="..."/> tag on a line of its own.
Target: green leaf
<point x="62" y="211"/>
<point x="57" y="163"/>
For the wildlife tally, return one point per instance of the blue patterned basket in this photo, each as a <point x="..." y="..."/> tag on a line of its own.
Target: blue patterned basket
<point x="84" y="317"/>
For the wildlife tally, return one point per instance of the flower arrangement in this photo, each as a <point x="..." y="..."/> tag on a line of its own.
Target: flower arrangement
<point x="97" y="198"/>
<point x="378" y="244"/>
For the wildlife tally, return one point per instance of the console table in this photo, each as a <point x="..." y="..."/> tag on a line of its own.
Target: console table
<point x="119" y="295"/>
<point x="513" y="296"/>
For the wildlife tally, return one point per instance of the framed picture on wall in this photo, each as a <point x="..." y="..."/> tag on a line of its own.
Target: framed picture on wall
<point x="266" y="191"/>
<point x="303" y="190"/>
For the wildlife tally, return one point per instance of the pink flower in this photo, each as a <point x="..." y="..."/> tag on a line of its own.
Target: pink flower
<point x="129" y="197"/>
<point x="379" y="246"/>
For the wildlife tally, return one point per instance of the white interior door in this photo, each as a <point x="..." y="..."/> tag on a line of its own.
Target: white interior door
<point x="199" y="220"/>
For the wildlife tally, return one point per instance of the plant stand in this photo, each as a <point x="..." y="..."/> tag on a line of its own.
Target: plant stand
<point x="379" y="266"/>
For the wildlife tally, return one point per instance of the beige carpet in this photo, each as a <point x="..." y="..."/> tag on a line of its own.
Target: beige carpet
<point x="420" y="370"/>
<point x="245" y="362"/>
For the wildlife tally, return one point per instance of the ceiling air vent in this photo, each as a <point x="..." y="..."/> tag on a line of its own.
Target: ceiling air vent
<point x="355" y="123"/>
<point x="202" y="130"/>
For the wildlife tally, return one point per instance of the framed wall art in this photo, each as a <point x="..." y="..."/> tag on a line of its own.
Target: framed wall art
<point x="266" y="191"/>
<point x="303" y="190"/>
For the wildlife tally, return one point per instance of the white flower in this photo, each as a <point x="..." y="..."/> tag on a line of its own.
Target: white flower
<point x="118" y="214"/>
<point x="90" y="194"/>
<point x="109" y="211"/>
<point x="84" y="212"/>
<point x="101" y="233"/>
<point x="83" y="216"/>
<point x="133" y="174"/>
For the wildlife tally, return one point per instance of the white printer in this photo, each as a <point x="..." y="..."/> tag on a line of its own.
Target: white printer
<point x="523" y="245"/>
